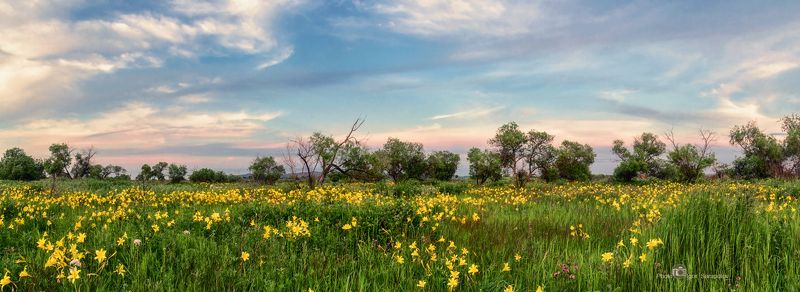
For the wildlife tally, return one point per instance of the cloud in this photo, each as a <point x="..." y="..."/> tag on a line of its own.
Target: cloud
<point x="459" y="18"/>
<point x="616" y="95"/>
<point x="141" y="125"/>
<point x="469" y="114"/>
<point x="277" y="59"/>
<point x="46" y="51"/>
<point x="194" y="98"/>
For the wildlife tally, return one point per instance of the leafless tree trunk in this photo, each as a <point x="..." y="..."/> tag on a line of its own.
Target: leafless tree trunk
<point x="305" y="151"/>
<point x="328" y="165"/>
<point x="310" y="159"/>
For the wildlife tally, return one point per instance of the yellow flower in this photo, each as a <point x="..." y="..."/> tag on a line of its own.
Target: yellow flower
<point x="621" y="243"/>
<point x="506" y="267"/>
<point x="509" y="288"/>
<point x="81" y="237"/>
<point x="120" y="270"/>
<point x="24" y="273"/>
<point x="42" y="243"/>
<point x="634" y="241"/>
<point x="155" y="228"/>
<point x="74" y="274"/>
<point x="539" y="289"/>
<point x="627" y="263"/>
<point x="100" y="255"/>
<point x="473" y="269"/>
<point x="5" y="281"/>
<point x="245" y="256"/>
<point x="347" y="226"/>
<point x="398" y="245"/>
<point x="399" y="259"/>
<point x="421" y="283"/>
<point x="452" y="283"/>
<point x="517" y="257"/>
<point x="607" y="257"/>
<point x="643" y="257"/>
<point x="431" y="248"/>
<point x="653" y="243"/>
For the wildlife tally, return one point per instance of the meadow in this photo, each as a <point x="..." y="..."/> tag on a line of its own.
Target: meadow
<point x="108" y="236"/>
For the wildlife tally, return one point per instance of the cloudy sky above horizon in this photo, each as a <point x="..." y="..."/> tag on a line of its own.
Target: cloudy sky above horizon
<point x="215" y="83"/>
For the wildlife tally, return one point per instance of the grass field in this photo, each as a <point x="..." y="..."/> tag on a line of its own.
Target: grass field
<point x="95" y="235"/>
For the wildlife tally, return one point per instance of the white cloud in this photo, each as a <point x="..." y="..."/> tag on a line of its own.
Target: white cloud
<point x="431" y="18"/>
<point x="141" y="125"/>
<point x="194" y="98"/>
<point x="45" y="52"/>
<point x="277" y="59"/>
<point x="468" y="114"/>
<point x="618" y="95"/>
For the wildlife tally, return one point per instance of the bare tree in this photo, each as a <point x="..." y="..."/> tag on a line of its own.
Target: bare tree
<point x="691" y="160"/>
<point x="83" y="163"/>
<point x="320" y="152"/>
<point x="305" y="152"/>
<point x="328" y="161"/>
<point x="288" y="159"/>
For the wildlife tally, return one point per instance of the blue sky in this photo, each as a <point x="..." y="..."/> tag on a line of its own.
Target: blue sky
<point x="215" y="83"/>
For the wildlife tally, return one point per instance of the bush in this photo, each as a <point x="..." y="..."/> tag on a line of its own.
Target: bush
<point x="16" y="165"/>
<point x="627" y="170"/>
<point x="211" y="176"/>
<point x="453" y="188"/>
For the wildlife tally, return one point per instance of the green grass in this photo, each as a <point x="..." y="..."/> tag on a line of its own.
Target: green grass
<point x="711" y="229"/>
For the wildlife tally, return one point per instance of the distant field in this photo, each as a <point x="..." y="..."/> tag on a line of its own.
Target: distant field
<point x="96" y="235"/>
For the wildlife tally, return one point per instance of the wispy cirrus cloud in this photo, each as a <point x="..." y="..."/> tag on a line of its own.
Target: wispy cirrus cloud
<point x="455" y="18"/>
<point x="468" y="114"/>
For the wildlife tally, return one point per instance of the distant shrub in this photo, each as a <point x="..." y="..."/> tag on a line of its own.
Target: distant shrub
<point x="211" y="176"/>
<point x="452" y="187"/>
<point x="16" y="165"/>
<point x="408" y="188"/>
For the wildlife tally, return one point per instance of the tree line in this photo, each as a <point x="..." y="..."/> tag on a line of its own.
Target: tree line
<point x="513" y="152"/>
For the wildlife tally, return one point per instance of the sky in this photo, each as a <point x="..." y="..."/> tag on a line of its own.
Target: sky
<point x="216" y="83"/>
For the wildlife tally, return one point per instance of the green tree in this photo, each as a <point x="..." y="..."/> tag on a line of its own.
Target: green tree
<point x="266" y="170"/>
<point x="403" y="160"/>
<point x="96" y="171"/>
<point x="442" y="165"/>
<point x="16" y="165"/>
<point x="210" y="176"/>
<point x="763" y="154"/>
<point x="359" y="163"/>
<point x="145" y="174"/>
<point x="791" y="144"/>
<point x="644" y="159"/>
<point x="114" y="171"/>
<point x="540" y="154"/>
<point x="510" y="141"/>
<point x="176" y="173"/>
<point x="573" y="161"/>
<point x="204" y="175"/>
<point x="56" y="165"/>
<point x="158" y="170"/>
<point x="484" y="165"/>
